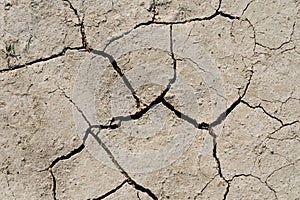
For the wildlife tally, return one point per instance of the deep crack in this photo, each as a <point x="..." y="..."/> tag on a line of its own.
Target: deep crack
<point x="184" y="117"/>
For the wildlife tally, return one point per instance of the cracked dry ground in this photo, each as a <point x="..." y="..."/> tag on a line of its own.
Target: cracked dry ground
<point x="253" y="44"/>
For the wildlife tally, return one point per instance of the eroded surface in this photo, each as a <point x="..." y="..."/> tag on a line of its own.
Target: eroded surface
<point x="253" y="44"/>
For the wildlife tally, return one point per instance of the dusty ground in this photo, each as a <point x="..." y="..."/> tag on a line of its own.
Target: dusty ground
<point x="149" y="99"/>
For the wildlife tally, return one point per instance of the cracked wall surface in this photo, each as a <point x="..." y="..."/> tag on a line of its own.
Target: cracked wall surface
<point x="191" y="99"/>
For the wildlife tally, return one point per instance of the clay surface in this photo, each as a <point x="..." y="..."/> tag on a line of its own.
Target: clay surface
<point x="157" y="99"/>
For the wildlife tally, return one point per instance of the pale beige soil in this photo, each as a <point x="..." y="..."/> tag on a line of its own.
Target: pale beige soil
<point x="225" y="127"/>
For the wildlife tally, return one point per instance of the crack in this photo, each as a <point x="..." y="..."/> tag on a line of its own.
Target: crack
<point x="229" y="181"/>
<point x="197" y="19"/>
<point x="108" y="152"/>
<point x="143" y="189"/>
<point x="184" y="117"/>
<point x="284" y="125"/>
<point x="53" y="184"/>
<point x="138" y="196"/>
<point x="115" y="66"/>
<point x="120" y="168"/>
<point x="295" y="137"/>
<point x="77" y="108"/>
<point x="262" y="144"/>
<point x="217" y="12"/>
<point x="281" y="45"/>
<point x="72" y="153"/>
<point x="276" y="170"/>
<point x="153" y="10"/>
<point x="219" y="5"/>
<point x="219" y="119"/>
<point x="41" y="60"/>
<point x="62" y="52"/>
<point x="288" y="49"/>
<point x="280" y="168"/>
<point x="159" y="99"/>
<point x="218" y="162"/>
<point x="204" y="188"/>
<point x="67" y="156"/>
<point x="219" y="167"/>
<point x="111" y="191"/>
<point x="247" y="6"/>
<point x="207" y="184"/>
<point x="115" y="38"/>
<point x="264" y="110"/>
<point x="226" y="15"/>
<point x="81" y="25"/>
<point x="195" y="63"/>
<point x="173" y="58"/>
<point x="270" y="115"/>
<point x="254" y="33"/>
<point x="224" y="115"/>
